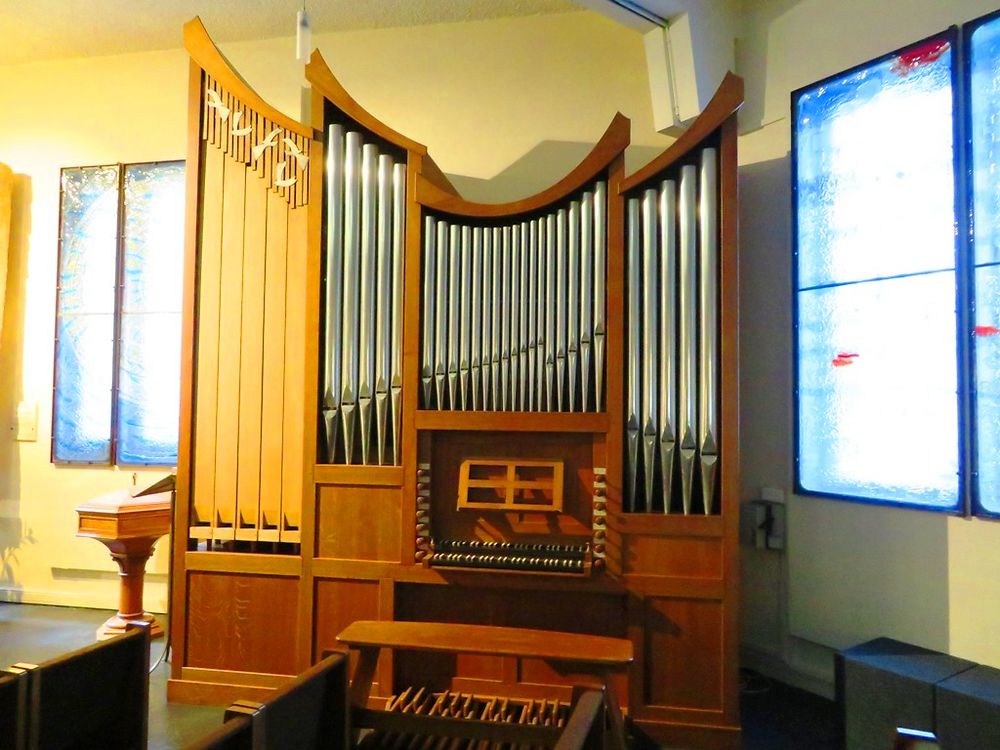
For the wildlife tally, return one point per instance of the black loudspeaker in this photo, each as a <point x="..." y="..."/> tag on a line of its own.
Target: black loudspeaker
<point x="884" y="684"/>
<point x="968" y="710"/>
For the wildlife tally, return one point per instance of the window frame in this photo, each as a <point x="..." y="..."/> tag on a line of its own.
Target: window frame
<point x="962" y="268"/>
<point x="119" y="291"/>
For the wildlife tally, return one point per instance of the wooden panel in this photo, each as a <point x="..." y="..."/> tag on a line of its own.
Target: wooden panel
<point x="683" y="653"/>
<point x="358" y="523"/>
<point x="230" y="313"/>
<point x="295" y="352"/>
<point x="207" y="347"/>
<point x="449" y="449"/>
<point x="673" y="556"/>
<point x="244" y="623"/>
<point x="339" y="603"/>
<point x="251" y="359"/>
<point x="273" y="387"/>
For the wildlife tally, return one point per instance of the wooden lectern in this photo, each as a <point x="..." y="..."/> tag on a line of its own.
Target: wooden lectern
<point x="128" y="522"/>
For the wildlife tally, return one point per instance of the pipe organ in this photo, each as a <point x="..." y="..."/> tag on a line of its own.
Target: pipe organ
<point x="415" y="407"/>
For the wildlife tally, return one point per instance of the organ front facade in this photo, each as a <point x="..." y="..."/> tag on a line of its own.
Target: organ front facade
<point x="402" y="405"/>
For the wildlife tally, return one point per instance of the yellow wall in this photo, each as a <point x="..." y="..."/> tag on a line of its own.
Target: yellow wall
<point x="852" y="572"/>
<point x="481" y="95"/>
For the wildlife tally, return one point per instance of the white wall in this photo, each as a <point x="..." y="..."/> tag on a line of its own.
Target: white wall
<point x="509" y="104"/>
<point x="852" y="572"/>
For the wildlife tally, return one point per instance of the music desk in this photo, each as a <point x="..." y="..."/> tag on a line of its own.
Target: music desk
<point x="598" y="655"/>
<point x="129" y="522"/>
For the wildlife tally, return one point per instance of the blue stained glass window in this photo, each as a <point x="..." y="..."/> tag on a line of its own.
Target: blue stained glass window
<point x="984" y="112"/>
<point x="875" y="237"/>
<point x="85" y="315"/>
<point x="149" y="352"/>
<point x="144" y="205"/>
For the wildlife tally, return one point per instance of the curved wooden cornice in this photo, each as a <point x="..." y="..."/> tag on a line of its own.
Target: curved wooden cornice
<point x="318" y="73"/>
<point x="727" y="99"/>
<point x="611" y="145"/>
<point x="203" y="51"/>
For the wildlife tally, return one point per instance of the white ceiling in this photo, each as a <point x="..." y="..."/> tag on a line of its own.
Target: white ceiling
<point x="53" y="29"/>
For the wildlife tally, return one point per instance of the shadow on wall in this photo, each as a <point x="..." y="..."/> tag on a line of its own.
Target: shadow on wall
<point x="539" y="169"/>
<point x="13" y="534"/>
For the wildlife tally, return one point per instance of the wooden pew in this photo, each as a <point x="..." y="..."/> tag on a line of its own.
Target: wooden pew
<point x="94" y="697"/>
<point x="308" y="713"/>
<point x="236" y="733"/>
<point x="597" y="654"/>
<point x="13" y="710"/>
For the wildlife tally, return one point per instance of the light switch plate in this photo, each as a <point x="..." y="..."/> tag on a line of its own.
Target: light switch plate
<point x="27" y="422"/>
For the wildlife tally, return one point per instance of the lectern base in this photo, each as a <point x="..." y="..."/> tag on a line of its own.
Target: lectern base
<point x="115" y="625"/>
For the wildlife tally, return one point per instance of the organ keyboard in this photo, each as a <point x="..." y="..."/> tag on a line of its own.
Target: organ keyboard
<point x="542" y="558"/>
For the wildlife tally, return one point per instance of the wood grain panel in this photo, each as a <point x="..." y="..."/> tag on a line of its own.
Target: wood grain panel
<point x="273" y="384"/>
<point x="244" y="623"/>
<point x="230" y="315"/>
<point x="674" y="556"/>
<point x="683" y="654"/>
<point x="358" y="523"/>
<point x="207" y="346"/>
<point x="295" y="352"/>
<point x="449" y="449"/>
<point x="251" y="359"/>
<point x="338" y="603"/>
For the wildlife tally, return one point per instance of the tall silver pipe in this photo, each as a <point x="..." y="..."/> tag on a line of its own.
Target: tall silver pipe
<point x="688" y="302"/>
<point x="366" y="374"/>
<point x="441" y="316"/>
<point x="334" y="284"/>
<point x="504" y="312"/>
<point x="489" y="303"/>
<point x="398" y="250"/>
<point x="560" y="307"/>
<point x="476" y="322"/>
<point x="708" y="350"/>
<point x="498" y="314"/>
<point x="668" y="337"/>
<point x="550" y="314"/>
<point x="600" y="289"/>
<point x="466" y="293"/>
<point x="540" y="304"/>
<point x="525" y="304"/>
<point x="586" y="294"/>
<point x="650" y="303"/>
<point x="349" y="327"/>
<point x="532" y="322"/>
<point x="515" y="313"/>
<point x="633" y="396"/>
<point x="383" y="304"/>
<point x="573" y="303"/>
<point x="454" y="311"/>
<point x="427" y="359"/>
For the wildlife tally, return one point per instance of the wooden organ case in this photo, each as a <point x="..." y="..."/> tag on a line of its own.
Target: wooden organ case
<point x="402" y="405"/>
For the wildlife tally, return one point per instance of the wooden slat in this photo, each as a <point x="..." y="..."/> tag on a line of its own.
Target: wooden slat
<point x="294" y="399"/>
<point x="207" y="347"/>
<point x="230" y="312"/>
<point x="486" y="639"/>
<point x="273" y="384"/>
<point x="243" y="562"/>
<point x="500" y="421"/>
<point x="251" y="360"/>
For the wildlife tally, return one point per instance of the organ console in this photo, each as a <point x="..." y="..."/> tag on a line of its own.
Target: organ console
<point x="417" y="408"/>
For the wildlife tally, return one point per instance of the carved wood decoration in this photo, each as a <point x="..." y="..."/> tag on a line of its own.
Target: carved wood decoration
<point x="295" y="508"/>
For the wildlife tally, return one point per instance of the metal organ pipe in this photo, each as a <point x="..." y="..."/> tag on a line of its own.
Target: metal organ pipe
<point x="671" y="398"/>
<point x="363" y="318"/>
<point x="512" y="311"/>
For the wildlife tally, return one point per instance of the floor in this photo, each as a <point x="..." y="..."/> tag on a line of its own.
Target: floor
<point x="775" y="716"/>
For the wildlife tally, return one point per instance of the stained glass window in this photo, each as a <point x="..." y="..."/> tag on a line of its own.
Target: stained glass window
<point x="118" y="315"/>
<point x="983" y="47"/>
<point x="875" y="236"/>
